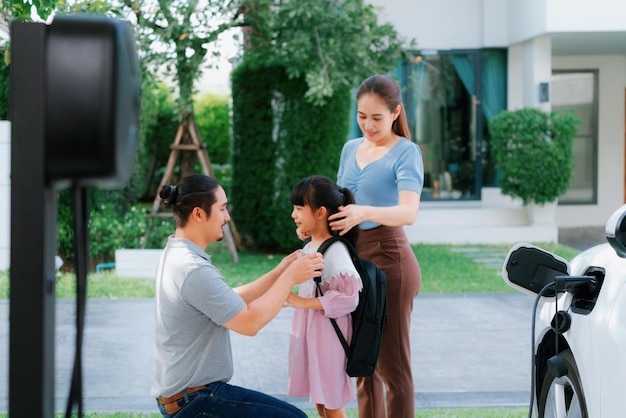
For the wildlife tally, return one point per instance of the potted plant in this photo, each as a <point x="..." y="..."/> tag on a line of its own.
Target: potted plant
<point x="533" y="150"/>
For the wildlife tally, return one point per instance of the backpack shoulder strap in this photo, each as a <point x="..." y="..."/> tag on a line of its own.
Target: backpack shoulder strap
<point x="318" y="291"/>
<point x="330" y="241"/>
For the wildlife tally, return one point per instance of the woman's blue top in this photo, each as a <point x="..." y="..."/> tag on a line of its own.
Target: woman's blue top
<point x="379" y="182"/>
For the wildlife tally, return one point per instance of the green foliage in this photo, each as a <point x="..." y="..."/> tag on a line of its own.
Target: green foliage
<point x="213" y="122"/>
<point x="278" y="139"/>
<point x="108" y="231"/>
<point x="534" y="151"/>
<point x="291" y="103"/>
<point x="4" y="85"/>
<point x="331" y="45"/>
<point x="159" y="123"/>
<point x="117" y="219"/>
<point x="175" y="37"/>
<point x="22" y="9"/>
<point x="113" y="224"/>
<point x="159" y="228"/>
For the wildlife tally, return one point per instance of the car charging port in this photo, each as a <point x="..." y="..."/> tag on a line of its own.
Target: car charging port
<point x="585" y="296"/>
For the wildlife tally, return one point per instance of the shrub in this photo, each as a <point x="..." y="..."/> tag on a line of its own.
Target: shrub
<point x="279" y="138"/>
<point x="4" y="83"/>
<point x="113" y="223"/>
<point x="534" y="151"/>
<point x="212" y="118"/>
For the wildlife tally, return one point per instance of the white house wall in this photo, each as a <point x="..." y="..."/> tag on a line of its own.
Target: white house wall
<point x="585" y="15"/>
<point x="461" y="24"/>
<point x="436" y="24"/>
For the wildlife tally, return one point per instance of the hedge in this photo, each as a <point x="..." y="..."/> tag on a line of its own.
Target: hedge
<point x="278" y="139"/>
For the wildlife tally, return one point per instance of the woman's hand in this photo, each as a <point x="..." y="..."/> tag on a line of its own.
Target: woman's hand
<point x="347" y="218"/>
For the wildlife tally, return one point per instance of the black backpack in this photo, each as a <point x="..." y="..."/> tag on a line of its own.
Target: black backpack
<point x="369" y="317"/>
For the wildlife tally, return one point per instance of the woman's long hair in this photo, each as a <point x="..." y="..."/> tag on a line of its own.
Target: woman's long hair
<point x="388" y="90"/>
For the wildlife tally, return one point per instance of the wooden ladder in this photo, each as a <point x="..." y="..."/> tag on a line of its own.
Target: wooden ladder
<point x="181" y="143"/>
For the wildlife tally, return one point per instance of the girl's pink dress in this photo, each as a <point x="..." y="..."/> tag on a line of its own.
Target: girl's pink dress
<point x="317" y="361"/>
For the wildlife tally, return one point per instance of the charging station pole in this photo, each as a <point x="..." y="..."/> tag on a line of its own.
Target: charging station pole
<point x="74" y="110"/>
<point x="33" y="233"/>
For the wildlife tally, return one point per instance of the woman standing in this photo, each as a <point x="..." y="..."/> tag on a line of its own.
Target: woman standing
<point x="384" y="170"/>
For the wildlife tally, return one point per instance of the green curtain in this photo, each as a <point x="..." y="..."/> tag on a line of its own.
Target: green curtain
<point x="464" y="66"/>
<point x="493" y="79"/>
<point x="494" y="82"/>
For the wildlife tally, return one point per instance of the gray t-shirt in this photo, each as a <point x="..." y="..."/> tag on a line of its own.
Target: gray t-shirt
<point x="192" y="348"/>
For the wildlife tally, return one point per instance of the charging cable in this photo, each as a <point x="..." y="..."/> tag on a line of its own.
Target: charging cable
<point x="532" y="345"/>
<point x="561" y="284"/>
<point x="80" y="209"/>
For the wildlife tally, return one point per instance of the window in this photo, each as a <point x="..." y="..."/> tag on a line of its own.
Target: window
<point x="577" y="91"/>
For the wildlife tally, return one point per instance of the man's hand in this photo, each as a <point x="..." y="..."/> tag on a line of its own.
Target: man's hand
<point x="286" y="262"/>
<point x="305" y="268"/>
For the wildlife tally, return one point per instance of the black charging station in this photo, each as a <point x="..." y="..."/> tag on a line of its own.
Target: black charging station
<point x="74" y="111"/>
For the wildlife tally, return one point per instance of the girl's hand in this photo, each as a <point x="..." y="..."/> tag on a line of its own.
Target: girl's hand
<point x="293" y="301"/>
<point x="302" y="235"/>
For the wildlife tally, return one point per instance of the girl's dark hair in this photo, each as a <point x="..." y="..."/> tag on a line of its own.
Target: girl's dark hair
<point x="388" y="90"/>
<point x="196" y="190"/>
<point x="321" y="191"/>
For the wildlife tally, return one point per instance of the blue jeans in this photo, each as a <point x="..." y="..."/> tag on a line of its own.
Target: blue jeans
<point x="221" y="400"/>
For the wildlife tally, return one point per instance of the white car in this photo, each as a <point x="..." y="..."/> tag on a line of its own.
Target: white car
<point x="579" y="329"/>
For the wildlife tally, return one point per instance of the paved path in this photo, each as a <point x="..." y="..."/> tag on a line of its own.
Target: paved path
<point x="468" y="350"/>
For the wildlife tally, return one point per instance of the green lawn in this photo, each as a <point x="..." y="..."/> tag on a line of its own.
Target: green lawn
<point x="445" y="269"/>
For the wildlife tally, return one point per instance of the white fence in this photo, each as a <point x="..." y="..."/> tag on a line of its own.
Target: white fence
<point x="138" y="264"/>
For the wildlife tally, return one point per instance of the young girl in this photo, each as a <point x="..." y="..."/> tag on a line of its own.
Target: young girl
<point x="317" y="361"/>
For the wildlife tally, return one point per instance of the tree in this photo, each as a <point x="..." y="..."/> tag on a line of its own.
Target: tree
<point x="291" y="103"/>
<point x="176" y="36"/>
<point x="23" y="10"/>
<point x="331" y="44"/>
